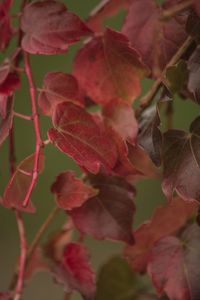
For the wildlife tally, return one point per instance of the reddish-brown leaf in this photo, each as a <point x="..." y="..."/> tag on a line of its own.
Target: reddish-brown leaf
<point x="104" y="9"/>
<point x="107" y="67"/>
<point x="9" y="79"/>
<point x="78" y="135"/>
<point x="194" y="74"/>
<point x="155" y="40"/>
<point x="109" y="215"/>
<point x="121" y="117"/>
<point x="19" y="183"/>
<point x="173" y="265"/>
<point x="58" y="87"/>
<point x="5" y="24"/>
<point x="181" y="157"/>
<point x="6" y="116"/>
<point x="197" y="6"/>
<point x="70" y="191"/>
<point x="166" y="220"/>
<point x="49" y="28"/>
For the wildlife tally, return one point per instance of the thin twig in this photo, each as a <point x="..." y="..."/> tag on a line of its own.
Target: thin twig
<point x="22" y="258"/>
<point x="41" y="231"/>
<point x="22" y="116"/>
<point x="176" y="9"/>
<point x="148" y="98"/>
<point x="36" y="127"/>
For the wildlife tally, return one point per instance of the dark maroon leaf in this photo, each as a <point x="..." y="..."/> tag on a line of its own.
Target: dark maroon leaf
<point x="181" y="157"/>
<point x="166" y="219"/>
<point x="5" y="24"/>
<point x="121" y="117"/>
<point x="194" y="74"/>
<point x="109" y="215"/>
<point x="49" y="28"/>
<point x="9" y="79"/>
<point x="78" y="135"/>
<point x="155" y="40"/>
<point x="58" y="87"/>
<point x="70" y="191"/>
<point x="19" y="183"/>
<point x="173" y="265"/>
<point x="107" y="67"/>
<point x="197" y="6"/>
<point x="150" y="137"/>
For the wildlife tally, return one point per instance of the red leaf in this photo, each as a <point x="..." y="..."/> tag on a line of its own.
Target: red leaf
<point x="173" y="265"/>
<point x="19" y="183"/>
<point x="104" y="9"/>
<point x="109" y="215"/>
<point x="49" y="28"/>
<point x="78" y="269"/>
<point x="165" y="220"/>
<point x="181" y="158"/>
<point x="70" y="191"/>
<point x="155" y="40"/>
<point x="121" y="117"/>
<point x="77" y="135"/>
<point x="9" y="79"/>
<point x="58" y="87"/>
<point x="5" y="24"/>
<point x="107" y="67"/>
<point x="6" y="116"/>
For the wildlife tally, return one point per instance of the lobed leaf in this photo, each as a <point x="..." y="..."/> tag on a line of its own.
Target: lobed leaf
<point x="5" y="24"/>
<point x="49" y="28"/>
<point x="166" y="219"/>
<point x="58" y="87"/>
<point x="77" y="134"/>
<point x="70" y="191"/>
<point x="19" y="183"/>
<point x="147" y="32"/>
<point x="107" y="67"/>
<point x="173" y="265"/>
<point x="181" y="158"/>
<point x="109" y="215"/>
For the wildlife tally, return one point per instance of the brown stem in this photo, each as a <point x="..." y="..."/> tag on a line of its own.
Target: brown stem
<point x="36" y="127"/>
<point x="149" y="97"/>
<point x="176" y="9"/>
<point x="41" y="231"/>
<point x="22" y="258"/>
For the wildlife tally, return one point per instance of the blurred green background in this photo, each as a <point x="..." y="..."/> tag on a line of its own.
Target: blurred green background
<point x="149" y="193"/>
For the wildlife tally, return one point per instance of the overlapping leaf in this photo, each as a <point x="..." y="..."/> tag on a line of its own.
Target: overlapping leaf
<point x="19" y="183"/>
<point x="58" y="87"/>
<point x="194" y="74"/>
<point x="6" y="116"/>
<point x="69" y="263"/>
<point x="109" y="215"/>
<point x="121" y="117"/>
<point x="150" y="137"/>
<point x="181" y="157"/>
<point x="107" y="67"/>
<point x="78" y="135"/>
<point x="155" y="40"/>
<point x="5" y="23"/>
<point x="166" y="220"/>
<point x="173" y="265"/>
<point x="49" y="28"/>
<point x="70" y="191"/>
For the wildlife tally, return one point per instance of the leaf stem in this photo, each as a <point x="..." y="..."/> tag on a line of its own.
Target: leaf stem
<point x="176" y="9"/>
<point x="36" y="127"/>
<point x="22" y="116"/>
<point x="41" y="231"/>
<point x="22" y="259"/>
<point x="149" y="97"/>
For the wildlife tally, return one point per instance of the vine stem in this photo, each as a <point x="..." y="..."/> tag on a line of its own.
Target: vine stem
<point x="41" y="231"/>
<point x="35" y="115"/>
<point x="176" y="9"/>
<point x="148" y="98"/>
<point x="22" y="259"/>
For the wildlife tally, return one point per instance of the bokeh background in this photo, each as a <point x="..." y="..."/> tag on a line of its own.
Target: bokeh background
<point x="149" y="192"/>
